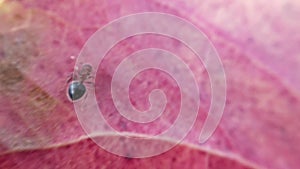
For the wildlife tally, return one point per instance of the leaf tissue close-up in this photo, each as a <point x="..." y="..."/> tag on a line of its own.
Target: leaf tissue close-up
<point x="154" y="84"/>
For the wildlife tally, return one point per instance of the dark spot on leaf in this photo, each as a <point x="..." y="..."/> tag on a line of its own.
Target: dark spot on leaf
<point x="9" y="75"/>
<point x="40" y="99"/>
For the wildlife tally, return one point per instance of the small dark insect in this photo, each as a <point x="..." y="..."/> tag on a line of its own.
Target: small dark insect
<point x="77" y="88"/>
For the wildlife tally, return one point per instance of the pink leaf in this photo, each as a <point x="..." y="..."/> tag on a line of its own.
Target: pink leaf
<point x="259" y="51"/>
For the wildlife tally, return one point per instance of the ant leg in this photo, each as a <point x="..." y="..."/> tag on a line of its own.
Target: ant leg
<point x="90" y="77"/>
<point x="89" y="82"/>
<point x="71" y="77"/>
<point x="90" y="85"/>
<point x="83" y="104"/>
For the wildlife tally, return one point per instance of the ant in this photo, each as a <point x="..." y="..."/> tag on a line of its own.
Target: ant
<point x="77" y="88"/>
